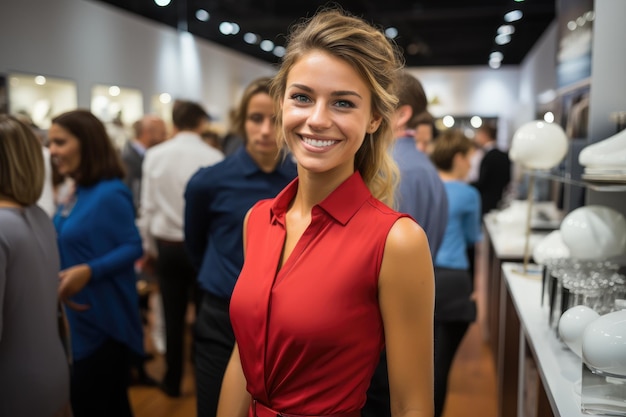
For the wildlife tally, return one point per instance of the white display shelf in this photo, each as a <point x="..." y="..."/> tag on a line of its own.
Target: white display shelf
<point x="558" y="367"/>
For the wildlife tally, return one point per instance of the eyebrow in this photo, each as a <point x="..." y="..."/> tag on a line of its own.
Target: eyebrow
<point x="334" y="93"/>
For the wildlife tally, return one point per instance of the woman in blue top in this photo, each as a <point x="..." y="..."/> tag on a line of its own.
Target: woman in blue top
<point x="454" y="307"/>
<point x="98" y="244"/>
<point x="217" y="199"/>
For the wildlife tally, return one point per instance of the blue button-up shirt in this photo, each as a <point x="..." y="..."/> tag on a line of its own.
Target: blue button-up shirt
<point x="421" y="192"/>
<point x="217" y="199"/>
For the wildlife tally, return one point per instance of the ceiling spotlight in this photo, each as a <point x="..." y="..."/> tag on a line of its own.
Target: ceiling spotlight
<point x="548" y="117"/>
<point x="235" y="29"/>
<point x="279" y="51"/>
<point x="494" y="64"/>
<point x="590" y="16"/>
<point x="250" y="38"/>
<point x="162" y="3"/>
<point x="391" y="32"/>
<point x="114" y="91"/>
<point x="513" y="16"/>
<point x="226" y="28"/>
<point x="267" y="45"/>
<point x="571" y="25"/>
<point x="506" y="30"/>
<point x="448" y="121"/>
<point x="202" y="15"/>
<point x="503" y="39"/>
<point x="165" y="98"/>
<point x="496" y="56"/>
<point x="476" y="122"/>
<point x="40" y="80"/>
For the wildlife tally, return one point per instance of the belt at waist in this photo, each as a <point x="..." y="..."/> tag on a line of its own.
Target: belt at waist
<point x="260" y="410"/>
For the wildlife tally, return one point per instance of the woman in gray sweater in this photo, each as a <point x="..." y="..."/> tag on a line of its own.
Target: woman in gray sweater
<point x="34" y="375"/>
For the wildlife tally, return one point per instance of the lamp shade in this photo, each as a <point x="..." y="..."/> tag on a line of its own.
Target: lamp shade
<point x="594" y="233"/>
<point x="538" y="145"/>
<point x="550" y="247"/>
<point x="572" y="325"/>
<point x="609" y="153"/>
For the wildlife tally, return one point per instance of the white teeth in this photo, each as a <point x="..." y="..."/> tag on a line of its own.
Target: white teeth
<point x="318" y="143"/>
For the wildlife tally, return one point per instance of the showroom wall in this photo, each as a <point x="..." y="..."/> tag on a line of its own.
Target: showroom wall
<point x="96" y="44"/>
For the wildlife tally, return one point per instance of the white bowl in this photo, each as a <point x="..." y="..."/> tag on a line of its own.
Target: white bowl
<point x="572" y="325"/>
<point x="594" y="233"/>
<point x="604" y="343"/>
<point x="550" y="247"/>
<point x="538" y="145"/>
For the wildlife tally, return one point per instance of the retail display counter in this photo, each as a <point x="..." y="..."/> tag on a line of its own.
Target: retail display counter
<point x="537" y="373"/>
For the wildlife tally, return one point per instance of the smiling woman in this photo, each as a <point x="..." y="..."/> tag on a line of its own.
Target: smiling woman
<point x="331" y="273"/>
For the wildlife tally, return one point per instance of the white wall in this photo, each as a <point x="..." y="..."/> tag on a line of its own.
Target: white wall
<point x="92" y="43"/>
<point x="469" y="91"/>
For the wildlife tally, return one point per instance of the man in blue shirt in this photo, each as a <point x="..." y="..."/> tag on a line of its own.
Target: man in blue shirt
<point x="422" y="195"/>
<point x="217" y="200"/>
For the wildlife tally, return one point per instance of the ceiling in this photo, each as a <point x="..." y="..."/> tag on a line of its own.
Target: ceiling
<point x="430" y="32"/>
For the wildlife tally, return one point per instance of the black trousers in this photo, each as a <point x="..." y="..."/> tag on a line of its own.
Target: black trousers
<point x="214" y="343"/>
<point x="176" y="281"/>
<point x="448" y="338"/>
<point x="99" y="383"/>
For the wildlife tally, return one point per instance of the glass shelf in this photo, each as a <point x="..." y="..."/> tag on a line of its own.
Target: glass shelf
<point x="603" y="186"/>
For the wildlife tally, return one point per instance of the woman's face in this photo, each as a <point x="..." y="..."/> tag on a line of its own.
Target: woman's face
<point x="260" y="129"/>
<point x="64" y="150"/>
<point x="326" y="113"/>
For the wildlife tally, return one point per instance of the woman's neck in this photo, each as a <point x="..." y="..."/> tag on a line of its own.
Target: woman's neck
<point x="4" y="203"/>
<point x="314" y="188"/>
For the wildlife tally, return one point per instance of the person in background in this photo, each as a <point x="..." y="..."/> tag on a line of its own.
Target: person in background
<point x="217" y="199"/>
<point x="495" y="169"/>
<point x="331" y="273"/>
<point x="425" y="132"/>
<point x="477" y="157"/>
<point x="420" y="194"/>
<point x="166" y="169"/>
<point x="454" y="308"/>
<point x="148" y="131"/>
<point x="34" y="371"/>
<point x="99" y="244"/>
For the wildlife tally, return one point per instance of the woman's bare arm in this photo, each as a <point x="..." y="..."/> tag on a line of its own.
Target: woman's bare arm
<point x="406" y="297"/>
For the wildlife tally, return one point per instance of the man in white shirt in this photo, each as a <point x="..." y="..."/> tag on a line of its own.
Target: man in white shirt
<point x="166" y="169"/>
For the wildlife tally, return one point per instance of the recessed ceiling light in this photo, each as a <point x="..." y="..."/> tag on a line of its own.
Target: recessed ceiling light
<point x="513" y="16"/>
<point x="162" y="3"/>
<point x="503" y="39"/>
<point x="250" y="38"/>
<point x="267" y="45"/>
<point x="391" y="32"/>
<point x="202" y="15"/>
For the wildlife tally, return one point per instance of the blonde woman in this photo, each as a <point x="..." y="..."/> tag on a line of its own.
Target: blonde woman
<point x="331" y="272"/>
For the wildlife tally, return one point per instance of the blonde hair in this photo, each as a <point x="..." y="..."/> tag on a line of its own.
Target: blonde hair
<point x="22" y="168"/>
<point x="377" y="60"/>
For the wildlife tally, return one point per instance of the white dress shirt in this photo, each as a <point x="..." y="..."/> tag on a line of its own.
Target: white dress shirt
<point x="167" y="167"/>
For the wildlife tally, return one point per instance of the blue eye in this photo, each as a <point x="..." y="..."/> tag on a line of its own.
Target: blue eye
<point x="345" y="104"/>
<point x="300" y="98"/>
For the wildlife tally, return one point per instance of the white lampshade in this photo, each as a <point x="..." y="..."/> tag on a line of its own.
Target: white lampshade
<point x="604" y="343"/>
<point x="572" y="325"/>
<point x="594" y="233"/>
<point x="550" y="247"/>
<point x="538" y="145"/>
